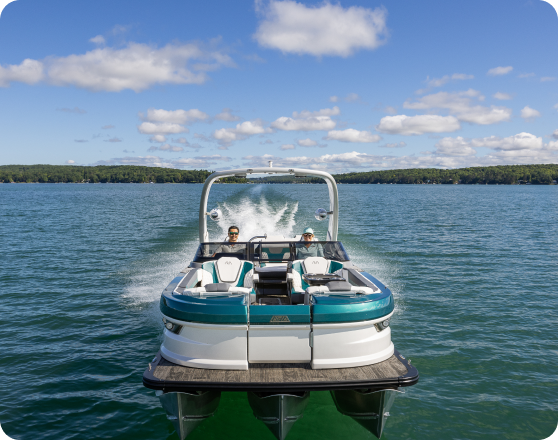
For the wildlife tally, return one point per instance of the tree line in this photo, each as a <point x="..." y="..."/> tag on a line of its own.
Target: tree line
<point x="103" y="174"/>
<point x="503" y="175"/>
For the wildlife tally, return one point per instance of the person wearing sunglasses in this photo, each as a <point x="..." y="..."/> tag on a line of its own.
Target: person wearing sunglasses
<point x="307" y="247"/>
<point x="231" y="247"/>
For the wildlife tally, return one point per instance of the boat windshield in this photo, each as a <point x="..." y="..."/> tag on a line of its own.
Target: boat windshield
<point x="280" y="251"/>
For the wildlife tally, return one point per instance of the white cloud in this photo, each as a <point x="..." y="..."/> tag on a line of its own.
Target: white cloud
<point x="502" y="96"/>
<point x="307" y="142"/>
<point x="114" y="139"/>
<point x="327" y="29"/>
<point x="162" y="128"/>
<point x="352" y="135"/>
<point x="526" y="75"/>
<point x="454" y="147"/>
<point x="29" y="72"/>
<point x="416" y="125"/>
<point x="462" y="76"/>
<point x="390" y="110"/>
<point x="287" y="147"/>
<point x="174" y="116"/>
<point x="136" y="67"/>
<point x="498" y="71"/>
<point x="334" y="98"/>
<point x="521" y="141"/>
<point x="99" y="39"/>
<point x="81" y="141"/>
<point x="307" y="120"/>
<point x="459" y="104"/>
<point x="529" y="113"/>
<point x="70" y="162"/>
<point x="158" y="138"/>
<point x="555" y="134"/>
<point x="201" y="161"/>
<point x="548" y="78"/>
<point x="167" y="147"/>
<point x="226" y="115"/>
<point x="107" y="127"/>
<point x="181" y="140"/>
<point x="241" y="131"/>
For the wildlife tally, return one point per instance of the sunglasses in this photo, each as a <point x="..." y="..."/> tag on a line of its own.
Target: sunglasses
<point x="307" y="235"/>
<point x="233" y="233"/>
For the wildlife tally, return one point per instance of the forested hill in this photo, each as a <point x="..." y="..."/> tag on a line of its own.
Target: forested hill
<point x="103" y="174"/>
<point x="503" y="175"/>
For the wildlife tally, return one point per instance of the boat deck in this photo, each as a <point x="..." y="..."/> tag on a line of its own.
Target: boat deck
<point x="394" y="372"/>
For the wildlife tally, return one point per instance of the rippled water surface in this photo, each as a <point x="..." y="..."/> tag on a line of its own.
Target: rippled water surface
<point x="473" y="270"/>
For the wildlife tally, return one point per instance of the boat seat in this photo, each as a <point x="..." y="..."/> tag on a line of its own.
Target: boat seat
<point x="339" y="288"/>
<point x="227" y="275"/>
<point x="317" y="265"/>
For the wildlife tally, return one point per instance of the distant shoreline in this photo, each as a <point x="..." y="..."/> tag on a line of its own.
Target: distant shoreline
<point x="543" y="174"/>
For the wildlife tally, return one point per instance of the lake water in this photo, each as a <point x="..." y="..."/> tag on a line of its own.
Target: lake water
<point x="473" y="270"/>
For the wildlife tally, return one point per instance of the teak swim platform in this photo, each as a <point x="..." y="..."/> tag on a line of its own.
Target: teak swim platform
<point x="277" y="318"/>
<point x="394" y="372"/>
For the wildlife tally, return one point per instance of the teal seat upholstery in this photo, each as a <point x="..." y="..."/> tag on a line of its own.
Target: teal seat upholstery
<point x="298" y="268"/>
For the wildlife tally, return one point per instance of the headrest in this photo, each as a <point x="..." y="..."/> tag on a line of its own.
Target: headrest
<point x="315" y="265"/>
<point x="217" y="287"/>
<point x="228" y="269"/>
<point x="339" y="286"/>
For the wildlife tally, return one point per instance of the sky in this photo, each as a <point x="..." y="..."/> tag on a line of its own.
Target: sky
<point x="340" y="86"/>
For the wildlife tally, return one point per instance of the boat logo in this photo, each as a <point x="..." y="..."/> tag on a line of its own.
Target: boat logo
<point x="280" y="318"/>
<point x="228" y="262"/>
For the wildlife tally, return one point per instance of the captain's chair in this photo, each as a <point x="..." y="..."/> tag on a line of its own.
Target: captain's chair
<point x="317" y="265"/>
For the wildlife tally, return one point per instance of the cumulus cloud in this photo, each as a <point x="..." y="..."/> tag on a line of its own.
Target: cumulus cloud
<point x="416" y="125"/>
<point x="499" y="71"/>
<point x="454" y="147"/>
<point x="158" y="138"/>
<point x="390" y="110"/>
<point x="70" y="162"/>
<point x="28" y="72"/>
<point x="136" y="67"/>
<point x="287" y="147"/>
<point x="174" y="116"/>
<point x="326" y="29"/>
<point x="162" y="128"/>
<point x="76" y="110"/>
<point x="167" y="147"/>
<point x="242" y="131"/>
<point x="502" y="96"/>
<point x="521" y="141"/>
<point x="351" y="97"/>
<point x="226" y="115"/>
<point x="555" y="134"/>
<point x="352" y="135"/>
<point x="460" y="105"/>
<point x="529" y="113"/>
<point x="307" y="120"/>
<point x="307" y="142"/>
<point x="99" y="39"/>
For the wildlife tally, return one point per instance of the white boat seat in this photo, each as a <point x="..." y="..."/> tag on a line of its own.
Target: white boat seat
<point x="317" y="265"/>
<point x="338" y="289"/>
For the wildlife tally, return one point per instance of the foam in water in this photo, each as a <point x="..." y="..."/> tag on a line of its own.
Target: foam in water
<point x="254" y="217"/>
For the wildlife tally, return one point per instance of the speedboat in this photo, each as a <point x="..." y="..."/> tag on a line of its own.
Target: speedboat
<point x="276" y="317"/>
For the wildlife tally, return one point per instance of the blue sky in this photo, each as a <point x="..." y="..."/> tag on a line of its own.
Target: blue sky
<point x="341" y="86"/>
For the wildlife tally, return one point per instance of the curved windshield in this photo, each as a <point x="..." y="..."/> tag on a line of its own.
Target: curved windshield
<point x="272" y="251"/>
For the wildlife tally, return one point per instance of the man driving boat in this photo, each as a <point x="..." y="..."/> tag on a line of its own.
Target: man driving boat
<point x="308" y="248"/>
<point x="231" y="247"/>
